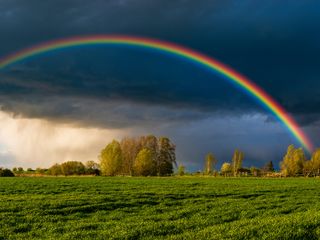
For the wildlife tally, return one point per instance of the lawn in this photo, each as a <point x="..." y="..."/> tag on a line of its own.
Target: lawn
<point x="159" y="208"/>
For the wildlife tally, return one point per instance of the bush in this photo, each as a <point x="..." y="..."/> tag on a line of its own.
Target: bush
<point x="6" y="173"/>
<point x="72" y="168"/>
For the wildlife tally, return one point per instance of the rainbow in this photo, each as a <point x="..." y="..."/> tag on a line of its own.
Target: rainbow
<point x="177" y="50"/>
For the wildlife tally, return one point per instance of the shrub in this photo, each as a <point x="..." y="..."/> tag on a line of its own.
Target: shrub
<point x="6" y="173"/>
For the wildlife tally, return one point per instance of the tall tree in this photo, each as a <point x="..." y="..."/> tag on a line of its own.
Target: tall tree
<point x="210" y="163"/>
<point x="111" y="159"/>
<point x="144" y="165"/>
<point x="150" y="142"/>
<point x="268" y="168"/>
<point x="293" y="161"/>
<point x="312" y="167"/>
<point x="237" y="161"/>
<point x="181" y="170"/>
<point x="130" y="148"/>
<point x="166" y="157"/>
<point x="315" y="159"/>
<point x="308" y="168"/>
<point x="287" y="166"/>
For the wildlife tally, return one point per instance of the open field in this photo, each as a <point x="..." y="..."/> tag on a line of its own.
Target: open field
<point x="159" y="208"/>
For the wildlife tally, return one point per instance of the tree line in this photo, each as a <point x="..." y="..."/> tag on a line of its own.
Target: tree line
<point x="152" y="156"/>
<point x="141" y="156"/>
<point x="66" y="169"/>
<point x="233" y="168"/>
<point x="295" y="163"/>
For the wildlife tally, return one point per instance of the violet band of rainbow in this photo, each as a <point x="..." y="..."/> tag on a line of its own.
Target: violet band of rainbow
<point x="238" y="79"/>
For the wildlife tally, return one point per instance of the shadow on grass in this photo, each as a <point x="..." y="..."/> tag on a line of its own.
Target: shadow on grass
<point x="87" y="208"/>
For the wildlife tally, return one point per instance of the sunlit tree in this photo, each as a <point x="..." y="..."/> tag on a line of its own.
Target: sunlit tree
<point x="237" y="161"/>
<point x="111" y="159"/>
<point x="150" y="142"/>
<point x="293" y="162"/>
<point x="130" y="148"/>
<point x="315" y="159"/>
<point x="210" y="163"/>
<point x="55" y="170"/>
<point x="72" y="168"/>
<point x="226" y="169"/>
<point x="144" y="164"/>
<point x="312" y="167"/>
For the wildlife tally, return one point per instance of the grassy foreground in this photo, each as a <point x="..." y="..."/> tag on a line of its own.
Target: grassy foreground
<point x="159" y="208"/>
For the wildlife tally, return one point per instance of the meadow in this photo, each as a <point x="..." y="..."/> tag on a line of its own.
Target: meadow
<point x="159" y="208"/>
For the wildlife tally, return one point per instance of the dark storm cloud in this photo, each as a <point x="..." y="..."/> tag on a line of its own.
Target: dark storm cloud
<point x="177" y="86"/>
<point x="274" y="43"/>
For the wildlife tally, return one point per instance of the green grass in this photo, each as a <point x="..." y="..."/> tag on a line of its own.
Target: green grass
<point x="159" y="208"/>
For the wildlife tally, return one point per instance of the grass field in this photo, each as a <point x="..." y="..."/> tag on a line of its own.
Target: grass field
<point x="159" y="208"/>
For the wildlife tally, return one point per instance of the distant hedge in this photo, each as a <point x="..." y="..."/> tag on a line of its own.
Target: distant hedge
<point x="6" y="173"/>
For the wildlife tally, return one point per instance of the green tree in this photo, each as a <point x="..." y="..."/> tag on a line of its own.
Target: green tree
<point x="308" y="168"/>
<point x="237" y="161"/>
<point x="30" y="170"/>
<point x="92" y="168"/>
<point x="166" y="157"/>
<point x="40" y="170"/>
<point x="226" y="169"/>
<point x="72" y="168"/>
<point x="210" y="163"/>
<point x="269" y="167"/>
<point x="144" y="164"/>
<point x="181" y="170"/>
<point x="150" y="142"/>
<point x="55" y="170"/>
<point x="293" y="162"/>
<point x="130" y="148"/>
<point x="111" y="159"/>
<point x="6" y="173"/>
<point x="312" y="167"/>
<point x="92" y="165"/>
<point x="315" y="159"/>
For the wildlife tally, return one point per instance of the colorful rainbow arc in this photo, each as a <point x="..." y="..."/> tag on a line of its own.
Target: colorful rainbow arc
<point x="177" y="50"/>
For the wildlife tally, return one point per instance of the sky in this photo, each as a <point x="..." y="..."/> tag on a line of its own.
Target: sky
<point x="68" y="104"/>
